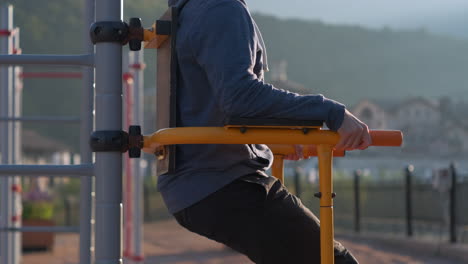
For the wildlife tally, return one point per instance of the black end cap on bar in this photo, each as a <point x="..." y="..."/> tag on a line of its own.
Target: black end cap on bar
<point x="135" y="141"/>
<point x="109" y="31"/>
<point x="109" y="141"/>
<point x="118" y="141"/>
<point x="118" y="31"/>
<point x="135" y="33"/>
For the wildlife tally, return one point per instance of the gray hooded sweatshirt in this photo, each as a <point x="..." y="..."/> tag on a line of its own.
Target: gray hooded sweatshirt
<point x="222" y="60"/>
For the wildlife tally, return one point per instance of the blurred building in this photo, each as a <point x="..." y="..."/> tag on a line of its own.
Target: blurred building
<point x="434" y="127"/>
<point x="279" y="79"/>
<point x="38" y="149"/>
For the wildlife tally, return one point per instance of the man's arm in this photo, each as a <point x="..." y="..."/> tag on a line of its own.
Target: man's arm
<point x="225" y="45"/>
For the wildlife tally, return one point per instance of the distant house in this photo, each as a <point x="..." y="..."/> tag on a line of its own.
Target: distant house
<point x="372" y="114"/>
<point x="38" y="149"/>
<point x="429" y="126"/>
<point x="417" y="113"/>
<point x="279" y="79"/>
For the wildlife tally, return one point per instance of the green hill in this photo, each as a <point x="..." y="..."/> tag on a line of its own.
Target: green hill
<point x="349" y="63"/>
<point x="343" y="62"/>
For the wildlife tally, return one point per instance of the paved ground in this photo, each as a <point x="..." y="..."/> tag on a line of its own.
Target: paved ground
<point x="167" y="243"/>
<point x="371" y="252"/>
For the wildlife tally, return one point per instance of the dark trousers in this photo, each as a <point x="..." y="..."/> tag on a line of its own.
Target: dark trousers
<point x="258" y="217"/>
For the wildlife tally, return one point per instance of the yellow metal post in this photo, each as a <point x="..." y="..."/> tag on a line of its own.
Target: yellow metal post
<point x="277" y="169"/>
<point x="325" y="157"/>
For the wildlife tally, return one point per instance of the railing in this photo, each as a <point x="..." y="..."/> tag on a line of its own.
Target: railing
<point x="412" y="208"/>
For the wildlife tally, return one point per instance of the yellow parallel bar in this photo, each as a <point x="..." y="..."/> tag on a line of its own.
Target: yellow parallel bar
<point x="325" y="157"/>
<point x="221" y="135"/>
<point x="277" y="168"/>
<point x="149" y="34"/>
<point x="152" y="39"/>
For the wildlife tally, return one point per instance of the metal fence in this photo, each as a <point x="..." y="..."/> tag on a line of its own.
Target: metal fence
<point x="406" y="205"/>
<point x="416" y="208"/>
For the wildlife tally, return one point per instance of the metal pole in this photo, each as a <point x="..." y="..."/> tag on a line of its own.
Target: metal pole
<point x="17" y="155"/>
<point x="86" y="116"/>
<point x="67" y="207"/>
<point x="297" y="183"/>
<point x="409" y="203"/>
<point x="277" y="168"/>
<point x="453" y="204"/>
<point x="52" y="75"/>
<point x="357" y="202"/>
<point x="137" y="65"/>
<point x="51" y="229"/>
<point x="325" y="158"/>
<point x="146" y="207"/>
<point x="32" y="59"/>
<point x="42" y="119"/>
<point x="49" y="170"/>
<point x="108" y="60"/>
<point x="6" y="238"/>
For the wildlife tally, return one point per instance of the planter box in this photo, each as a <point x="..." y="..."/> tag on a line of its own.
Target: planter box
<point x="38" y="240"/>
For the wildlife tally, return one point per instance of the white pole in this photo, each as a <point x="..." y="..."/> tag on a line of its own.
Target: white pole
<point x="17" y="155"/>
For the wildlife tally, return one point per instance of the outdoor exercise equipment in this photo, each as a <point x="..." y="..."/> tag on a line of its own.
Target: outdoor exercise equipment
<point x="108" y="34"/>
<point x="10" y="141"/>
<point x="284" y="139"/>
<point x="106" y="60"/>
<point x="281" y="135"/>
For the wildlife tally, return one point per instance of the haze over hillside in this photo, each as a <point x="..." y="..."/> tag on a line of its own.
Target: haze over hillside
<point x="445" y="17"/>
<point x="349" y="62"/>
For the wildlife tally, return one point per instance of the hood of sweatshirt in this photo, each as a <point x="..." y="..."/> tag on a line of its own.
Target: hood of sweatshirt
<point x="181" y="3"/>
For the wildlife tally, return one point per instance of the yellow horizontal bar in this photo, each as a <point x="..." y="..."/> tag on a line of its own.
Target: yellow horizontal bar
<point x="221" y="135"/>
<point x="149" y="34"/>
<point x="152" y="39"/>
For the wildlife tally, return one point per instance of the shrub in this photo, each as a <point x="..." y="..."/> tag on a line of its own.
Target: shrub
<point x="37" y="205"/>
<point x="38" y="210"/>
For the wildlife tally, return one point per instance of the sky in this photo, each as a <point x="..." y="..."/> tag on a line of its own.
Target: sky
<point x="371" y="13"/>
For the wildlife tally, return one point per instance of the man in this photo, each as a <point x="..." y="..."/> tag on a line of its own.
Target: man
<point x="222" y="191"/>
